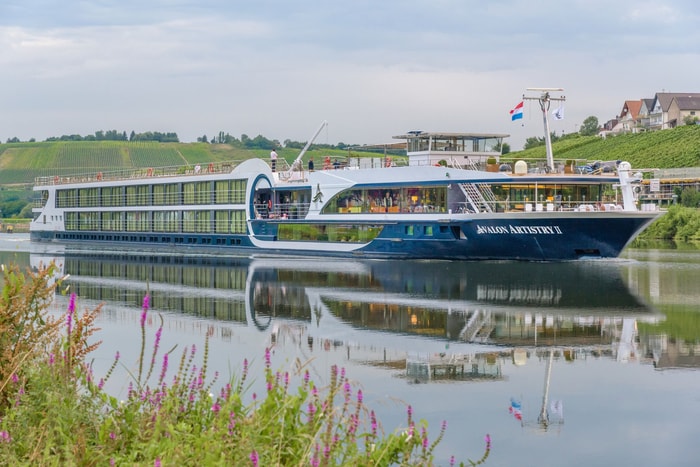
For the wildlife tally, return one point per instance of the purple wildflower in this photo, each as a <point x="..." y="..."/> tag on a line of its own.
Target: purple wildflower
<point x="146" y="301"/>
<point x="71" y="311"/>
<point x="156" y="463"/>
<point x="254" y="458"/>
<point x="164" y="368"/>
<point x="359" y="396"/>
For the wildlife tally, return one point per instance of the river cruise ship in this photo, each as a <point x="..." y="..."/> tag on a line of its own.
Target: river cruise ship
<point x="445" y="201"/>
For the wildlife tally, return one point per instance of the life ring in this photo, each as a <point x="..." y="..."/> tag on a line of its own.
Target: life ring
<point x="211" y="167"/>
<point x="99" y="176"/>
<point x="149" y="172"/>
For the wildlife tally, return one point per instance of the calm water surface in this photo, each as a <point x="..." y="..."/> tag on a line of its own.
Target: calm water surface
<point x="601" y="358"/>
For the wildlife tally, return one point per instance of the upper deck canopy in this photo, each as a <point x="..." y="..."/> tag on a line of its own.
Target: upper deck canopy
<point x="423" y="147"/>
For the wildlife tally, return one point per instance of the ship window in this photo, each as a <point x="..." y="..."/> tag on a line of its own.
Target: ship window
<point x="238" y="221"/>
<point x="328" y="232"/>
<point x="67" y="198"/>
<point x="221" y="221"/>
<point x="138" y="221"/>
<point x="428" y="230"/>
<point x="88" y="197"/>
<point x="111" y="196"/>
<point x="112" y="221"/>
<point x="196" y="221"/>
<point x="166" y="221"/>
<point x="137" y="195"/>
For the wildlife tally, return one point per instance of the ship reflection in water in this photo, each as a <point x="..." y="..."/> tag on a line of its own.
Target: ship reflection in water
<point x="454" y="321"/>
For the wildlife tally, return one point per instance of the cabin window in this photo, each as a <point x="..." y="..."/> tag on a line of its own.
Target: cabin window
<point x="196" y="221"/>
<point x="112" y="221"/>
<point x="166" y="221"/>
<point x="138" y="221"/>
<point x="230" y="191"/>
<point x="238" y="221"/>
<point x="138" y="195"/>
<point x="67" y="198"/>
<point x="88" y="197"/>
<point x="111" y="196"/>
<point x="88" y="221"/>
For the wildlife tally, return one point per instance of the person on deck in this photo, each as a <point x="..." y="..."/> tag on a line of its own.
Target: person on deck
<point x="311" y="164"/>
<point x="273" y="159"/>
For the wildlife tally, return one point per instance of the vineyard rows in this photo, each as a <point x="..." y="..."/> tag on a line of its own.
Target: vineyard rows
<point x="22" y="162"/>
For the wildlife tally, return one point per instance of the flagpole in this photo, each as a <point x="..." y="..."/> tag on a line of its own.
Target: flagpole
<point x="544" y="417"/>
<point x="544" y="100"/>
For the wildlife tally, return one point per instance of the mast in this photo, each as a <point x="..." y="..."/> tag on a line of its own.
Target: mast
<point x="544" y="100"/>
<point x="297" y="161"/>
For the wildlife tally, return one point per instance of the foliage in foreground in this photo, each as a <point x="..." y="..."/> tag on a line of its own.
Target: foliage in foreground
<point x="54" y="411"/>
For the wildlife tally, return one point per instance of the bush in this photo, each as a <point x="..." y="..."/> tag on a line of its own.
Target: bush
<point x="58" y="413"/>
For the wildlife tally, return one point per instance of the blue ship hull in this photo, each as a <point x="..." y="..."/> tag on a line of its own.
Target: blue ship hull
<point x="527" y="239"/>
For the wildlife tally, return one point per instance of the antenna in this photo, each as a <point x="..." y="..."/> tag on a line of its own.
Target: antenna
<point x="544" y="99"/>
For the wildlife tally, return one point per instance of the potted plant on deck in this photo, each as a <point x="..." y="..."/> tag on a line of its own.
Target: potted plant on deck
<point x="491" y="164"/>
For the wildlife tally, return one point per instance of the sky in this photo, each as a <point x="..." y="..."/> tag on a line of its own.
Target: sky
<point x="371" y="69"/>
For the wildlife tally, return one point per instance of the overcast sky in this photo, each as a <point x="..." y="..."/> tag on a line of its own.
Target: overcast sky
<point x="372" y="69"/>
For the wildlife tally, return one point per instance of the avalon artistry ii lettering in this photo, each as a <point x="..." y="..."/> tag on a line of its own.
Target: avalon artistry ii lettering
<point x="519" y="229"/>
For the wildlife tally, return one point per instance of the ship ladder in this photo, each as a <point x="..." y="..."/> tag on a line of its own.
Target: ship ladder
<point x="479" y="196"/>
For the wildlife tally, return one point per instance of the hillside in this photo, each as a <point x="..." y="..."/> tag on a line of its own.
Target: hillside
<point x="678" y="147"/>
<point x="20" y="163"/>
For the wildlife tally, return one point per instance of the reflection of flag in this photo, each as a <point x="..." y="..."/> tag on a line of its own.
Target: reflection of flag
<point x="557" y="408"/>
<point x="558" y="114"/>
<point x="517" y="112"/>
<point x="516" y="409"/>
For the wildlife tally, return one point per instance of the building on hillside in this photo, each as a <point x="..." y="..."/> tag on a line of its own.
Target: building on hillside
<point x="664" y="110"/>
<point x="627" y="121"/>
<point x="667" y="118"/>
<point x="682" y="107"/>
<point x="645" y="117"/>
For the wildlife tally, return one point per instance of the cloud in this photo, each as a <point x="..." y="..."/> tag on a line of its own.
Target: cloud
<point x="372" y="69"/>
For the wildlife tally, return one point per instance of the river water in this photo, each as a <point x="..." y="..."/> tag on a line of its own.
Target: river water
<point x="586" y="363"/>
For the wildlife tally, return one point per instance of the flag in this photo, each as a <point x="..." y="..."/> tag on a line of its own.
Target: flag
<point x="516" y="409"/>
<point x="558" y="114"/>
<point x="517" y="112"/>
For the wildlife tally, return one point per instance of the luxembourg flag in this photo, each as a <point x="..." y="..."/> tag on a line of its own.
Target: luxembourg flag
<point x="517" y="112"/>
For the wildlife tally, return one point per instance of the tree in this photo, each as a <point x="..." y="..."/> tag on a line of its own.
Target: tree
<point x="589" y="126"/>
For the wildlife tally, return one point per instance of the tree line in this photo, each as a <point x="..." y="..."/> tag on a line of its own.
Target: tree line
<point x="110" y="135"/>
<point x="244" y="142"/>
